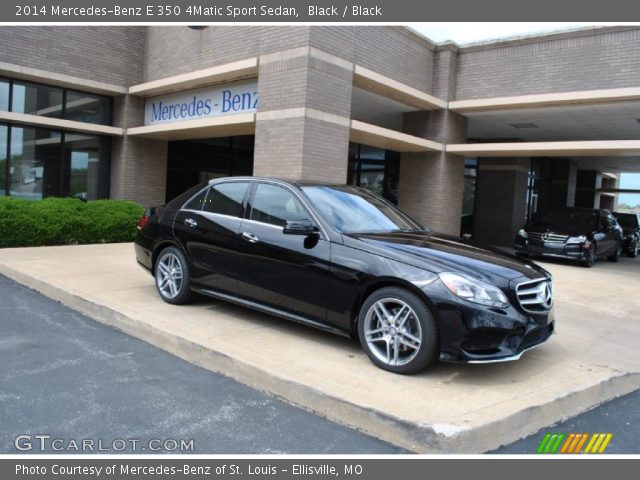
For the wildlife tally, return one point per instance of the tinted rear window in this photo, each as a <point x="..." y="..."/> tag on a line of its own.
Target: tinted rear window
<point x="226" y="198"/>
<point x="627" y="220"/>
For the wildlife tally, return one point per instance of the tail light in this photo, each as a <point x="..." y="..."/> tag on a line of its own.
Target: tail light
<point x="144" y="219"/>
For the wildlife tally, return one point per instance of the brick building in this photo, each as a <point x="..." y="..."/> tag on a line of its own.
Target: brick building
<point x="472" y="139"/>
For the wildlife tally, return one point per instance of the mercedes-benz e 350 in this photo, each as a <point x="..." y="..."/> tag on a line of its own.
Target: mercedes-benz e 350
<point x="343" y="259"/>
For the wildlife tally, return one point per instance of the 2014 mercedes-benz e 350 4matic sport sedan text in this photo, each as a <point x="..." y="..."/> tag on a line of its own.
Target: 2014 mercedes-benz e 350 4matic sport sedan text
<point x="345" y="260"/>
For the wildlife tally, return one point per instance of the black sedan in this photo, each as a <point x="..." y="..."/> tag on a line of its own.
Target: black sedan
<point x="572" y="233"/>
<point x="343" y="259"/>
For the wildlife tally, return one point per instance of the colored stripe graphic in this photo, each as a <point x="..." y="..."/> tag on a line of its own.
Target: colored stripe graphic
<point x="573" y="443"/>
<point x="582" y="442"/>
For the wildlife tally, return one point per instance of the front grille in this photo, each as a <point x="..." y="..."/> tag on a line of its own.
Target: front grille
<point x="535" y="296"/>
<point x="548" y="237"/>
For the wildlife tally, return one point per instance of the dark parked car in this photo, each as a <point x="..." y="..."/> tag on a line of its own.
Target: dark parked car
<point x="630" y="224"/>
<point x="345" y="260"/>
<point x="583" y="234"/>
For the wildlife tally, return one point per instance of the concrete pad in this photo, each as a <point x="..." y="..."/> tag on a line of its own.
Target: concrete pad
<point x="447" y="409"/>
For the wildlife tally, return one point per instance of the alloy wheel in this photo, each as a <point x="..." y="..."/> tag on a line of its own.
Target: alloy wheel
<point x="169" y="276"/>
<point x="392" y="331"/>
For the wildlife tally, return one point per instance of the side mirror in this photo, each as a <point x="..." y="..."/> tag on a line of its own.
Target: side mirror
<point x="299" y="227"/>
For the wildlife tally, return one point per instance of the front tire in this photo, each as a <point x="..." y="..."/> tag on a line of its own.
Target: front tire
<point x="633" y="251"/>
<point x="172" y="276"/>
<point x="397" y="331"/>
<point x="590" y="257"/>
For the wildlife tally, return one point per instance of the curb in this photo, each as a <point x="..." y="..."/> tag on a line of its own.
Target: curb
<point x="419" y="438"/>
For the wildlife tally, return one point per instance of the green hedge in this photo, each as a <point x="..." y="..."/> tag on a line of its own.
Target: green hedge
<point x="66" y="221"/>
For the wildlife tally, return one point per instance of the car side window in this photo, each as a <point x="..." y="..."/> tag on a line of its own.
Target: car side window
<point x="196" y="202"/>
<point x="226" y="198"/>
<point x="276" y="205"/>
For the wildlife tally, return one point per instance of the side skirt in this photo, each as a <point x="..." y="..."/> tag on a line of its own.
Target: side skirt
<point x="270" y="310"/>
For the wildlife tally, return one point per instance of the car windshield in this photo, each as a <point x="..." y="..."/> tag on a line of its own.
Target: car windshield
<point x="583" y="220"/>
<point x="355" y="210"/>
<point x="627" y="220"/>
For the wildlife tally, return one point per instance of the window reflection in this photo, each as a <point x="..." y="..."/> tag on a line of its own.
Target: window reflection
<point x="46" y="163"/>
<point x="4" y="94"/>
<point x="34" y="164"/>
<point x="375" y="169"/>
<point x="85" y="169"/>
<point x="88" y="108"/>
<point x="35" y="99"/>
<point x="4" y="132"/>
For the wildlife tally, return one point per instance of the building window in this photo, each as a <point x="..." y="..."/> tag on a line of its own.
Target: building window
<point x="4" y="152"/>
<point x="86" y="166"/>
<point x="469" y="196"/>
<point x="36" y="99"/>
<point x="47" y="163"/>
<point x="375" y="169"/>
<point x="88" y="108"/>
<point x="49" y="101"/>
<point x="34" y="162"/>
<point x="4" y="94"/>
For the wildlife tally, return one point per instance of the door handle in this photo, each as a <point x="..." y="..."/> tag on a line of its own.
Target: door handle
<point x="190" y="222"/>
<point x="250" y="237"/>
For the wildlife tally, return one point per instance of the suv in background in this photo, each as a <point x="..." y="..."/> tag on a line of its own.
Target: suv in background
<point x="630" y="223"/>
<point x="582" y="234"/>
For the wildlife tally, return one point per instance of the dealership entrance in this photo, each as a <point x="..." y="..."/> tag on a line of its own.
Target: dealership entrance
<point x="190" y="162"/>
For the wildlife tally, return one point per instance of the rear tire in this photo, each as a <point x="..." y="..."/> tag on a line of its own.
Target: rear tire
<point x="616" y="256"/>
<point x="397" y="331"/>
<point x="633" y="252"/>
<point x="171" y="273"/>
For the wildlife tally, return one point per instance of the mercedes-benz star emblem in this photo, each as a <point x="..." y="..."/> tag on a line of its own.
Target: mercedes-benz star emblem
<point x="546" y="237"/>
<point x="545" y="295"/>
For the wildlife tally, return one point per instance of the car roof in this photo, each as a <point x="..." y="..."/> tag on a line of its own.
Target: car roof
<point x="295" y="183"/>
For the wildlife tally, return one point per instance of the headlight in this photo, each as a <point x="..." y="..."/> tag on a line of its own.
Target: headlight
<point x="522" y="233"/>
<point x="474" y="290"/>
<point x="580" y="239"/>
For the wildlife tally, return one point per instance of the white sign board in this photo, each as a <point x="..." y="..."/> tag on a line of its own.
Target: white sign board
<point x="212" y="101"/>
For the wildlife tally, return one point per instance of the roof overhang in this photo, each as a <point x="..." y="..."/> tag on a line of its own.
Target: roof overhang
<point x="588" y="97"/>
<point x="219" y="74"/>
<point x="589" y="148"/>
<point x="59" y="123"/>
<point x="400" y="92"/>
<point x="223" y="126"/>
<point x="380" y="137"/>
<point x="60" y="80"/>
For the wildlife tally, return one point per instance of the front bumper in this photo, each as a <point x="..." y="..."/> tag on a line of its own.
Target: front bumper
<point x="471" y="333"/>
<point x="569" y="251"/>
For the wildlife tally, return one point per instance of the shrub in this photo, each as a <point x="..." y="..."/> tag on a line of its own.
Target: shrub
<point x="66" y="221"/>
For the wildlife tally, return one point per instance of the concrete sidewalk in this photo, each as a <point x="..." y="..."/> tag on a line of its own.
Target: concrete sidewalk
<point x="448" y="409"/>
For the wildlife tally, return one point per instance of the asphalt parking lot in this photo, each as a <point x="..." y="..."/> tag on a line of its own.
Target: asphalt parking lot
<point x="129" y="389"/>
<point x="447" y="409"/>
<point x="72" y="378"/>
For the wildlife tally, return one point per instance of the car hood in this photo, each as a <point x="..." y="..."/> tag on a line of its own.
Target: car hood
<point x="440" y="253"/>
<point x="570" y="230"/>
